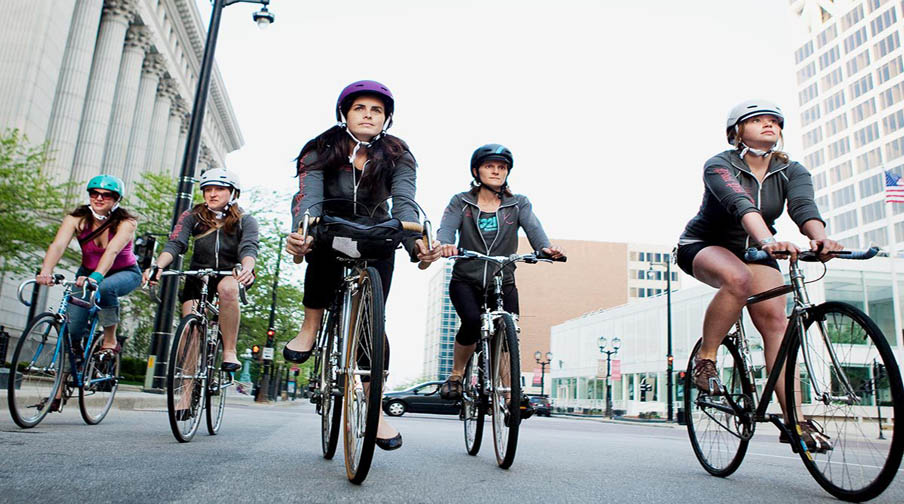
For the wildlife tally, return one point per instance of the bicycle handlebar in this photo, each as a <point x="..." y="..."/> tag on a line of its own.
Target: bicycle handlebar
<point x="206" y="272"/>
<point x="58" y="279"/>
<point x="530" y="258"/>
<point x="426" y="231"/>
<point x="753" y="254"/>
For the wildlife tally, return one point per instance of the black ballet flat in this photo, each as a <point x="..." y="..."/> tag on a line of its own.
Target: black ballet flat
<point x="390" y="444"/>
<point x="296" y="357"/>
<point x="231" y="367"/>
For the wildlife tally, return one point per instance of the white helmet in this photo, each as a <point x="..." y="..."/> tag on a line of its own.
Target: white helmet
<point x="747" y="109"/>
<point x="220" y="177"/>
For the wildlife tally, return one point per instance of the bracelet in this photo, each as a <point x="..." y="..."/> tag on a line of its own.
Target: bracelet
<point x="767" y="241"/>
<point x="97" y="277"/>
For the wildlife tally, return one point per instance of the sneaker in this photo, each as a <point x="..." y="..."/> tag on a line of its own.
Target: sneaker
<point x="812" y="435"/>
<point x="706" y="376"/>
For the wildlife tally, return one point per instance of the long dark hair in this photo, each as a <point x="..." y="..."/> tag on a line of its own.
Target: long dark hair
<point x="332" y="148"/>
<point x="209" y="219"/>
<point x="84" y="213"/>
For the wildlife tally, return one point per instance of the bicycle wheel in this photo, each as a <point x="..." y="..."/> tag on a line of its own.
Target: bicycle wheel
<point x="506" y="400"/>
<point x="36" y="370"/>
<point x="363" y="391"/>
<point x="100" y="380"/>
<point x="326" y="364"/>
<point x="473" y="403"/>
<point x="718" y="435"/>
<point x="219" y="383"/>
<point x="186" y="378"/>
<point x="860" y="465"/>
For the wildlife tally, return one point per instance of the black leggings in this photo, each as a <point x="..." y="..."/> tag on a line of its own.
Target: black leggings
<point x="322" y="277"/>
<point x="467" y="299"/>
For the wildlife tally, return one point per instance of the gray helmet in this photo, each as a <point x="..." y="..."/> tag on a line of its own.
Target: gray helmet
<point x="220" y="177"/>
<point x="747" y="109"/>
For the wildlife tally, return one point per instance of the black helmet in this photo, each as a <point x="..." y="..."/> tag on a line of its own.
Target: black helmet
<point x="491" y="151"/>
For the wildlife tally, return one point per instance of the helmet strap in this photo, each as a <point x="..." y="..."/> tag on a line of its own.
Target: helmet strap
<point x="103" y="217"/>
<point x="756" y="152"/>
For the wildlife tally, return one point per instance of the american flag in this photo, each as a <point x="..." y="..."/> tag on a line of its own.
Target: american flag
<point x="894" y="188"/>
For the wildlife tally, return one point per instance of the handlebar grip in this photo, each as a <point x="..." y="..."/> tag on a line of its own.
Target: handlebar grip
<point x="753" y="255"/>
<point x="543" y="255"/>
<point x="862" y="254"/>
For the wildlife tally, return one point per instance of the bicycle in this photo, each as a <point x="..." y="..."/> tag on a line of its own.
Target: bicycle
<point x="838" y="346"/>
<point x="350" y="347"/>
<point x="38" y="365"/>
<point x="194" y="377"/>
<point x="492" y="379"/>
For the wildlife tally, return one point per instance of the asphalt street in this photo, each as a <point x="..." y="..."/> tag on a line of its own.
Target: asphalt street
<point x="272" y="454"/>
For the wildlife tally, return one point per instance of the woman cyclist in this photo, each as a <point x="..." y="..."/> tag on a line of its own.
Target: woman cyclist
<point x="224" y="235"/>
<point x="745" y="190"/>
<point x="356" y="162"/>
<point x="105" y="232"/>
<point x="486" y="219"/>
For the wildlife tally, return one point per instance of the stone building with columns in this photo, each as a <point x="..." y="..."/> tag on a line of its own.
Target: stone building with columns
<point x="108" y="84"/>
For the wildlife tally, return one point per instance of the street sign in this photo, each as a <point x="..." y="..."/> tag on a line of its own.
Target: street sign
<point x="268" y="353"/>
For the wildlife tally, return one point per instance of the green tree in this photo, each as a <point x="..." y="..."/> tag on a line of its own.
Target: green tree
<point x="31" y="206"/>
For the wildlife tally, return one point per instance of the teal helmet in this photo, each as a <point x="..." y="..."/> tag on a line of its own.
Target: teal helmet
<point x="108" y="182"/>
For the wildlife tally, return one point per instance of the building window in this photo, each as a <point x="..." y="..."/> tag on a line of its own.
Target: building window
<point x="832" y="78"/>
<point x="843" y="196"/>
<point x="809" y="93"/>
<point x="829" y="57"/>
<point x="844" y="221"/>
<point x="815" y="159"/>
<point x="892" y="95"/>
<point x="819" y="181"/>
<point x="889" y="70"/>
<point x="869" y="159"/>
<point x="894" y="149"/>
<point x="866" y="135"/>
<point x="851" y="242"/>
<point x="812" y="137"/>
<point x="809" y="115"/>
<point x="886" y="45"/>
<point x="826" y="36"/>
<point x="872" y="185"/>
<point x="803" y="52"/>
<point x="841" y="172"/>
<point x="874" y="4"/>
<point x="822" y="203"/>
<point x="899" y="233"/>
<point x="851" y="18"/>
<point x="893" y="122"/>
<point x="839" y="148"/>
<point x="861" y="86"/>
<point x="858" y="62"/>
<point x="836" y="125"/>
<point x="806" y="72"/>
<point x="864" y="110"/>
<point x="882" y="22"/>
<point x="878" y="237"/>
<point x="873" y="211"/>
<point x="833" y="102"/>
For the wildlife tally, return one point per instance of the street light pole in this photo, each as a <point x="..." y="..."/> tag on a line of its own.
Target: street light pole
<point x="267" y="368"/>
<point x="163" y="320"/>
<point x="543" y="365"/>
<point x="670" y="358"/>
<point x="604" y="344"/>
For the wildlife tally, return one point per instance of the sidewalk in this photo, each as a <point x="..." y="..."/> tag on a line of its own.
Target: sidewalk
<point x="131" y="397"/>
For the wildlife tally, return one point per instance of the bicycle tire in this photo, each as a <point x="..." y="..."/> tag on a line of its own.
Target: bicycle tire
<point x="361" y="405"/>
<point x="217" y="386"/>
<point x="182" y="371"/>
<point x="326" y="365"/>
<point x="506" y="411"/>
<point x="859" y="466"/>
<point x="719" y="438"/>
<point x="473" y="404"/>
<point x="100" y="380"/>
<point x="40" y="343"/>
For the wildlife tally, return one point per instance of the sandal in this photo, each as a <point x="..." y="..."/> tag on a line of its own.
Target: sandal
<point x="451" y="388"/>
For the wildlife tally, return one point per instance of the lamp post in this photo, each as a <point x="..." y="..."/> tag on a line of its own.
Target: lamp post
<point x="163" y="320"/>
<point x="669" y="357"/>
<point x="543" y="364"/>
<point x="605" y="346"/>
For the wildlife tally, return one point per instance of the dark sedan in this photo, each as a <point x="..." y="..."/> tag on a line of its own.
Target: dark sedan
<point x="423" y="398"/>
<point x="541" y="405"/>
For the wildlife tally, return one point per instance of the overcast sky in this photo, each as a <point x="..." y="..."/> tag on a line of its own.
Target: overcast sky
<point x="610" y="108"/>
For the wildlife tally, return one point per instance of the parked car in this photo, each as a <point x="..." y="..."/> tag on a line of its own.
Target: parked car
<point x="541" y="405"/>
<point x="423" y="398"/>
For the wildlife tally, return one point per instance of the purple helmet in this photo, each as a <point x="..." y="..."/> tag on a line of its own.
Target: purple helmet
<point x="364" y="87"/>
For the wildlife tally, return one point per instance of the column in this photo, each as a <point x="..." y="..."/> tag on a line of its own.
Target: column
<point x="152" y="70"/>
<point x="180" y="147"/>
<point x="157" y="137"/>
<point x="69" y="101"/>
<point x="117" y="145"/>
<point x="205" y="161"/>
<point x="92" y="137"/>
<point x="176" y="116"/>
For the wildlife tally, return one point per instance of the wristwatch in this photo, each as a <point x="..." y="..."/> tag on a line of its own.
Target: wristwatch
<point x="767" y="241"/>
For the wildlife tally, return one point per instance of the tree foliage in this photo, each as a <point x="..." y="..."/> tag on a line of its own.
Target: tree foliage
<point x="31" y="205"/>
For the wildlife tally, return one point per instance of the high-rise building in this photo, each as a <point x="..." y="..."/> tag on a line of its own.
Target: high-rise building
<point x="597" y="275"/>
<point x="850" y="83"/>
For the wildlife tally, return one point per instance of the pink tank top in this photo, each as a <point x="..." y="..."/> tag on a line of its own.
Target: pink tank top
<point x="91" y="253"/>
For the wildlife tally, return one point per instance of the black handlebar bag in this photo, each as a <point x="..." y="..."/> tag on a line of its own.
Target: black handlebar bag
<point x="360" y="240"/>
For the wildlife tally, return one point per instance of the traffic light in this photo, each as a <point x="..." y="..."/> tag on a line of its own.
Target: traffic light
<point x="681" y="375"/>
<point x="671" y="360"/>
<point x="270" y="333"/>
<point x="255" y="351"/>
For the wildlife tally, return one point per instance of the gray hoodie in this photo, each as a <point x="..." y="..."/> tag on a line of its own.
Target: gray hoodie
<point x="732" y="191"/>
<point x="461" y="216"/>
